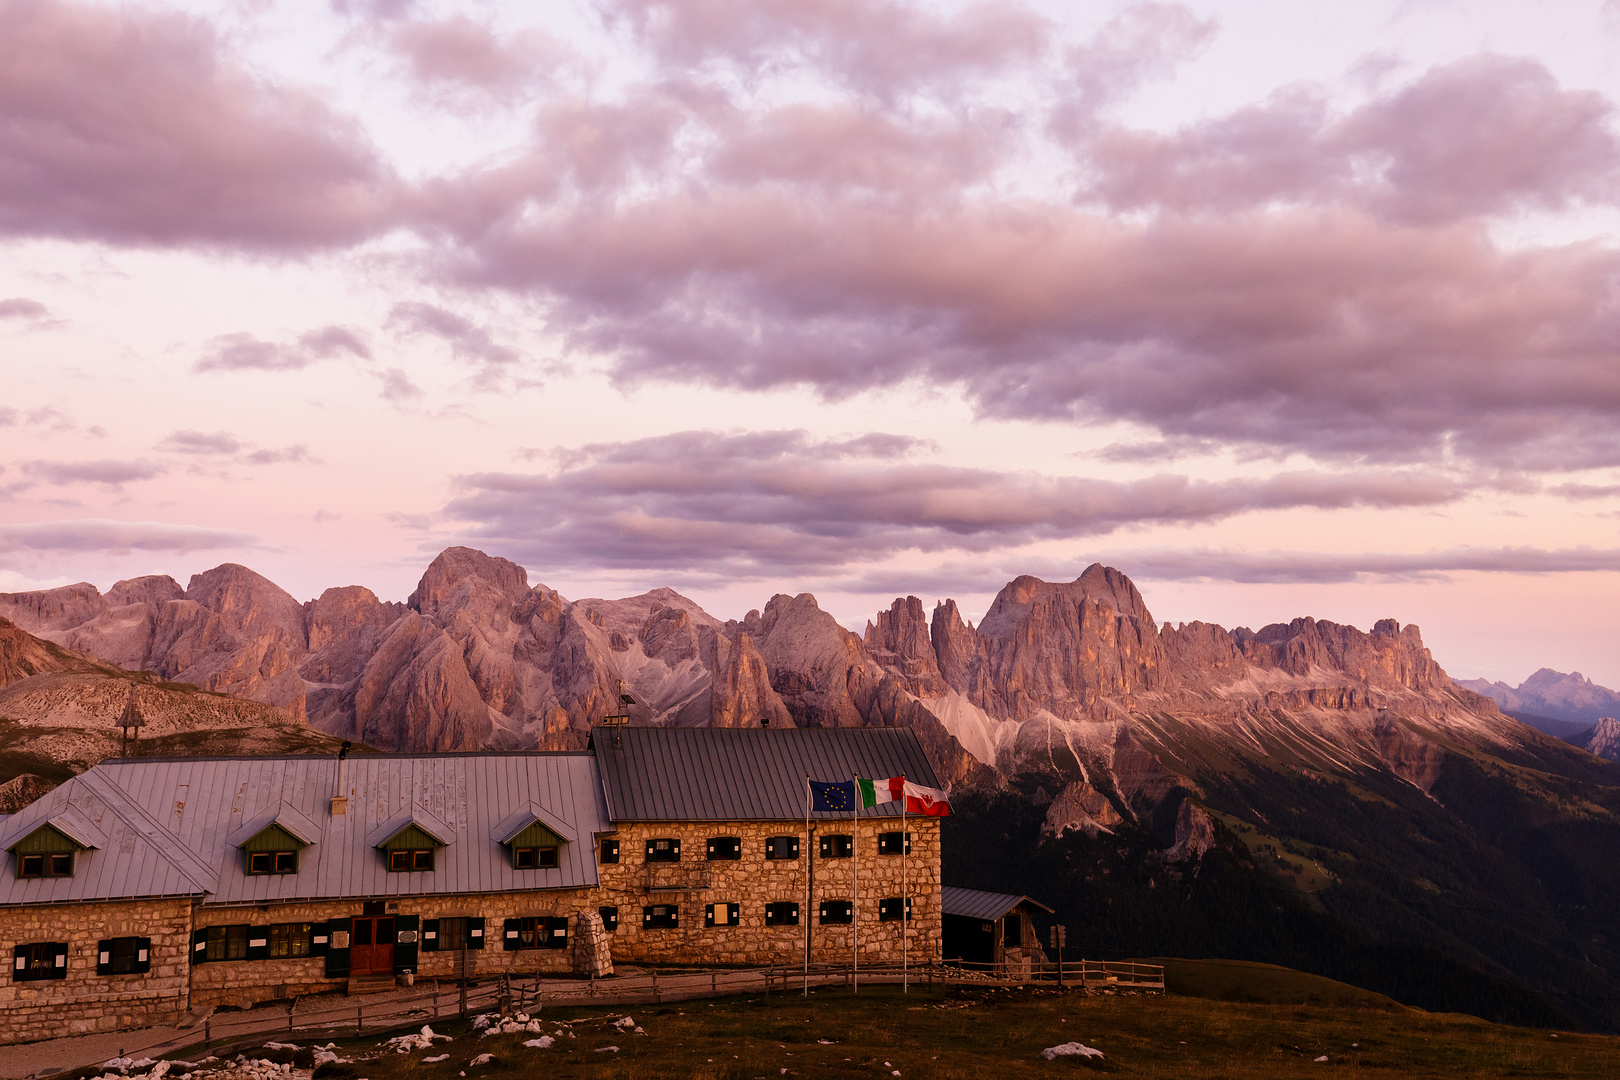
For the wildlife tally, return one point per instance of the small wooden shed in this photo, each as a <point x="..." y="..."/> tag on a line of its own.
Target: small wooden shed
<point x="991" y="928"/>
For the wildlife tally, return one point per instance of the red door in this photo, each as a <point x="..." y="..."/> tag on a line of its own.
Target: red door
<point x="371" y="946"/>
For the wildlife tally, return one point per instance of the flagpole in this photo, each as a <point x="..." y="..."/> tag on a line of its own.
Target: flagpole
<point x="809" y="886"/>
<point x="905" y="893"/>
<point x="855" y="894"/>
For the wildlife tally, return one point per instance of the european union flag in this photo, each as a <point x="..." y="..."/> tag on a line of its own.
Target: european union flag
<point x="832" y="798"/>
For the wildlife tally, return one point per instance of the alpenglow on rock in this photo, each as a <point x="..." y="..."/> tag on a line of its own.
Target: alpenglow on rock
<point x="1071" y="679"/>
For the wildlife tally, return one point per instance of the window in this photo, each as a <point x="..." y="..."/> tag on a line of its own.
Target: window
<point x="609" y="851"/>
<point x="227" y="943"/>
<point x="453" y="934"/>
<point x="722" y="915"/>
<point x="890" y="843"/>
<point x="45" y="864"/>
<point x="537" y="932"/>
<point x="39" y="960"/>
<point x="782" y="847"/>
<point x="782" y="913"/>
<point x="272" y="862"/>
<point x="837" y="911"/>
<point x="291" y="939"/>
<point x="610" y="918"/>
<point x="837" y="846"/>
<point x="664" y="849"/>
<point x="660" y="916"/>
<point x="402" y="860"/>
<point x="534" y="858"/>
<point x="889" y="910"/>
<point x="722" y="848"/>
<point x="124" y="956"/>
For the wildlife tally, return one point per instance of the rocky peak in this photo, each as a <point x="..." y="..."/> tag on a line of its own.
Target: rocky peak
<point x="250" y="604"/>
<point x="1103" y="585"/>
<point x="1604" y="738"/>
<point x="458" y="573"/>
<point x="61" y="608"/>
<point x="153" y="589"/>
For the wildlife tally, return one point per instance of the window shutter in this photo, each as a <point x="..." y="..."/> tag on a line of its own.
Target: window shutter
<point x="19" y="963"/>
<point x="509" y="936"/>
<point x="826" y="847"/>
<point x="556" y="930"/>
<point x="708" y="915"/>
<point x="406" y="937"/>
<point x="475" y="933"/>
<point x="59" y="955"/>
<point x="143" y="956"/>
<point x="319" y="939"/>
<point x="258" y="947"/>
<point x="430" y="935"/>
<point x="337" y="948"/>
<point x="199" y="946"/>
<point x="675" y="845"/>
<point x="104" y="957"/>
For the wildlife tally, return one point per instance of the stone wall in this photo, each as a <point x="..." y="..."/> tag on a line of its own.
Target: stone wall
<point x="85" y="1002"/>
<point x="753" y="881"/>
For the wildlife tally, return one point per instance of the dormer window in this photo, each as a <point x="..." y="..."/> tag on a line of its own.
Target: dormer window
<point x="45" y="864"/>
<point x="534" y="858"/>
<point x="47" y="851"/>
<point x="409" y="860"/>
<point x="272" y="862"/>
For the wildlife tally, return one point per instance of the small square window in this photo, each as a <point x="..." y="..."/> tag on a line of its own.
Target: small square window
<point x="61" y="865"/>
<point x="290" y="939"/>
<point x="660" y="916"/>
<point x="47" y="864"/>
<point x="893" y="843"/>
<point x="663" y="849"/>
<point x="525" y="858"/>
<point x="402" y="860"/>
<point x="227" y="943"/>
<point x="422" y="859"/>
<point x="123" y="956"/>
<point x="39" y="960"/>
<point x="837" y="846"/>
<point x="837" y="911"/>
<point x="609" y="851"/>
<point x="610" y="918"/>
<point x="286" y="862"/>
<point x="889" y="910"/>
<point x="782" y="847"/>
<point x="722" y="915"/>
<point x="724" y="848"/>
<point x="782" y="913"/>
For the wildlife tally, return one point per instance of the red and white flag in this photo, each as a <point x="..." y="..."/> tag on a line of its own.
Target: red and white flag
<point x="924" y="801"/>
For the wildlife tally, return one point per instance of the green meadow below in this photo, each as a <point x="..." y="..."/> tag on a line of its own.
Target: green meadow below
<point x="977" y="1034"/>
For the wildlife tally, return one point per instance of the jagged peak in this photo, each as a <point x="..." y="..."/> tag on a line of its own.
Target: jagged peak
<point x="454" y="565"/>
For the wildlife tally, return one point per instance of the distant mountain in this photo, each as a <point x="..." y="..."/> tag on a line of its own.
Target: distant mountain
<point x="1552" y="695"/>
<point x="1307" y="778"/>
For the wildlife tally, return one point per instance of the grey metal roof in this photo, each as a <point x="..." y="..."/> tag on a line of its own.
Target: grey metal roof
<point x="745" y="774"/>
<point x="169" y="825"/>
<point x="978" y="904"/>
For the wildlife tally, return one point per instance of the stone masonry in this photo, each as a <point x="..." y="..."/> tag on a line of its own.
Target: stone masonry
<point x="84" y="1002"/>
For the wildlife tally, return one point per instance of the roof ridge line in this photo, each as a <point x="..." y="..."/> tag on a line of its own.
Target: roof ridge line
<point x="135" y="815"/>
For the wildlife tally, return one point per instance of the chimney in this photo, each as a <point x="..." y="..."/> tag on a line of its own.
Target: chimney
<point x="340" y="801"/>
<point x="764" y="721"/>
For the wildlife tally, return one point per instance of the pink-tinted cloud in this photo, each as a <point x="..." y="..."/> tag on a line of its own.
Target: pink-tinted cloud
<point x="459" y="54"/>
<point x="139" y="127"/>
<point x="242" y="351"/>
<point x="201" y="442"/>
<point x="1316" y="567"/>
<point x="117" y="537"/>
<point x="107" y="471"/>
<point x="470" y="343"/>
<point x="20" y="307"/>
<point x="779" y="501"/>
<point x="881" y="47"/>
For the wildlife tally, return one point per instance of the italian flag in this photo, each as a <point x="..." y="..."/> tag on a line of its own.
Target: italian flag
<point x="923" y="801"/>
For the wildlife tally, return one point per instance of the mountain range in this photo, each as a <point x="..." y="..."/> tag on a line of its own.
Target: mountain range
<point x="1384" y="823"/>
<point x="1565" y="705"/>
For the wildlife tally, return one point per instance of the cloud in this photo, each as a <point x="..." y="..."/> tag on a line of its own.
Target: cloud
<point x="107" y="471"/>
<point x="469" y="342"/>
<point x="458" y="55"/>
<point x="200" y="442"/>
<point x="133" y="126"/>
<point x="117" y="537"/>
<point x="756" y="503"/>
<point x="1311" y="567"/>
<point x="285" y="455"/>
<point x="20" y="307"/>
<point x="242" y="351"/>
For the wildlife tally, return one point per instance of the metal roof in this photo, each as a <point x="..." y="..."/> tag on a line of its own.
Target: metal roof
<point x="978" y="904"/>
<point x="169" y="824"/>
<point x="745" y="774"/>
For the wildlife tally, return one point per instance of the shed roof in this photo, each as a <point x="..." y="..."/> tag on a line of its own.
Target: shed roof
<point x="979" y="904"/>
<point x="745" y="774"/>
<point x="169" y="825"/>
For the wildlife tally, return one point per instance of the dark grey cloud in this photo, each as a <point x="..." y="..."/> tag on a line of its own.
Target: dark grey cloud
<point x="769" y="502"/>
<point x="108" y="471"/>
<point x="117" y="537"/>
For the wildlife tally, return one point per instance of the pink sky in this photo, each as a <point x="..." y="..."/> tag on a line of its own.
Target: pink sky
<point x="1282" y="308"/>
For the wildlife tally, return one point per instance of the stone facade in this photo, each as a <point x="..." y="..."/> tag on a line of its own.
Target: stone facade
<point x="83" y="1002"/>
<point x="753" y="881"/>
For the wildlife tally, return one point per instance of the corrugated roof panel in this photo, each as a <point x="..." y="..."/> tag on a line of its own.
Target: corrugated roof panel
<point x="750" y="774"/>
<point x="979" y="904"/>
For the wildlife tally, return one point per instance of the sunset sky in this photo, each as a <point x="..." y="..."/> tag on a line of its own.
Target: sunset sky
<point x="1283" y="308"/>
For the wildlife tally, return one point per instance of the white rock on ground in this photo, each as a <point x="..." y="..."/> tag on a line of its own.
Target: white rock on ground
<point x="481" y="1059"/>
<point x="435" y="1059"/>
<point x="1071" y="1049"/>
<point x="541" y="1043"/>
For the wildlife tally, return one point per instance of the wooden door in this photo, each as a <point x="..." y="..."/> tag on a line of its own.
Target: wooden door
<point x="371" y="946"/>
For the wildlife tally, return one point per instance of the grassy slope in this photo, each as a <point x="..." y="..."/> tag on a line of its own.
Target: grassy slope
<point x="1000" y="1034"/>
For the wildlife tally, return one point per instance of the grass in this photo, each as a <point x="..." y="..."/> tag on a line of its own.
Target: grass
<point x="998" y="1035"/>
<point x="1262" y="984"/>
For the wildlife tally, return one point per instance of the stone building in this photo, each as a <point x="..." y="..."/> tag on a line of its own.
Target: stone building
<point x="146" y="888"/>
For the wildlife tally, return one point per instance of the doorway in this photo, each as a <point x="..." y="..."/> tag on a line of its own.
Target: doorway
<point x="371" y="946"/>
